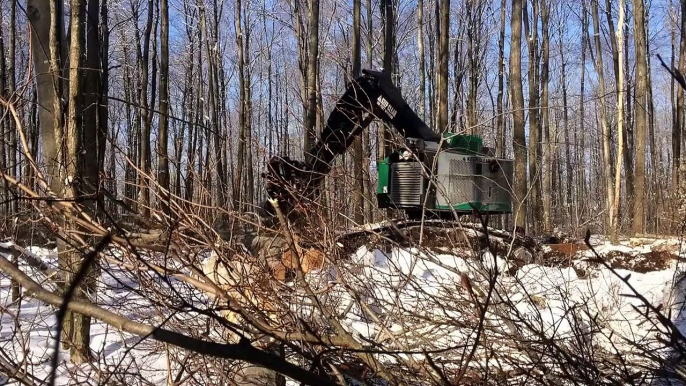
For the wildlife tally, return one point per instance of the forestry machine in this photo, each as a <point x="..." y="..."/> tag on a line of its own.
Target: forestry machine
<point x="437" y="175"/>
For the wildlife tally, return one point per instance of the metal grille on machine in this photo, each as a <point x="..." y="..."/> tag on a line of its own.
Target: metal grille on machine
<point x="406" y="184"/>
<point x="461" y="182"/>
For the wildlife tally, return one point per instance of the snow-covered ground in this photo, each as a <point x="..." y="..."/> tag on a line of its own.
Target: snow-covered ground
<point x="411" y="301"/>
<point x="27" y="333"/>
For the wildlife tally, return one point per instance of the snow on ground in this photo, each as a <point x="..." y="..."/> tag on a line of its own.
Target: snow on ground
<point x="430" y="273"/>
<point x="27" y="334"/>
<point x="410" y="300"/>
<point x="420" y="300"/>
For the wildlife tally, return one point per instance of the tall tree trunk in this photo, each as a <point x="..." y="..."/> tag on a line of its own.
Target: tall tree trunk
<point x="34" y="129"/>
<point x="366" y="142"/>
<point x="388" y="19"/>
<point x="581" y="144"/>
<point x="163" y="136"/>
<point x="77" y="165"/>
<point x="607" y="154"/>
<point x="461" y="66"/>
<point x="249" y="180"/>
<point x="545" y="118"/>
<point x="677" y="129"/>
<point x="443" y="21"/>
<point x="629" y="154"/>
<point x="237" y="186"/>
<point x="11" y="89"/>
<point x="617" y="64"/>
<point x="656" y="193"/>
<point x="614" y="235"/>
<point x="432" y="67"/>
<point x="133" y="133"/>
<point x="534" y="116"/>
<point x="112" y="173"/>
<point x="42" y="29"/>
<point x="613" y="41"/>
<point x="91" y="102"/>
<point x="301" y="39"/>
<point x="104" y="84"/>
<point x="500" y="137"/>
<point x="132" y="120"/>
<point x="641" y="106"/>
<point x="476" y="48"/>
<point x="187" y="106"/>
<point x="5" y="119"/>
<point x="54" y="138"/>
<point x="6" y="125"/>
<point x="191" y="170"/>
<point x="270" y="95"/>
<point x="519" y="134"/>
<point x="144" y="152"/>
<point x="88" y="115"/>
<point x="312" y="71"/>
<point x="212" y="49"/>
<point x="422" y="60"/>
<point x="138" y="135"/>
<point x="565" y="118"/>
<point x="358" y="157"/>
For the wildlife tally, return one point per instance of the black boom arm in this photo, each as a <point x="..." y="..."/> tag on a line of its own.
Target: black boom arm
<point x="370" y="96"/>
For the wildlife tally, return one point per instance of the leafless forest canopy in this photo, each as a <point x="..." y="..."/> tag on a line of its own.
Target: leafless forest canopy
<point x="193" y="97"/>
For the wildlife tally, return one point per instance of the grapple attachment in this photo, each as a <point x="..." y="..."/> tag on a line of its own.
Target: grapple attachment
<point x="292" y="183"/>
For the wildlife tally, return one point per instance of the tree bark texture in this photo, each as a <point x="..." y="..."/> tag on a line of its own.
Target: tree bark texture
<point x="443" y="20"/>
<point x="614" y="235"/>
<point x="312" y="71"/>
<point x="607" y="154"/>
<point x="163" y="136"/>
<point x="640" y="107"/>
<point x="519" y="134"/>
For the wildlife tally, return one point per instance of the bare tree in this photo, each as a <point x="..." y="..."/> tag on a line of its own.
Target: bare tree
<point x="534" y="114"/>
<point x="92" y="84"/>
<point x="678" y="120"/>
<point x="545" y="118"/>
<point x="250" y="178"/>
<point x="163" y="136"/>
<point x="655" y="192"/>
<point x="422" y="59"/>
<point x="641" y="107"/>
<point x="517" y="95"/>
<point x="4" y="121"/>
<point x="565" y="121"/>
<point x="11" y="133"/>
<point x="476" y="49"/>
<point x="357" y="145"/>
<point x="146" y="116"/>
<point x="312" y="73"/>
<point x="500" y="119"/>
<point x="581" y="141"/>
<point x="74" y="165"/>
<point x="607" y="164"/>
<point x="7" y="90"/>
<point x="388" y="21"/>
<point x="629" y="120"/>
<point x="366" y="142"/>
<point x="443" y="31"/>
<point x="242" y="111"/>
<point x="620" y="123"/>
<point x="133" y="122"/>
